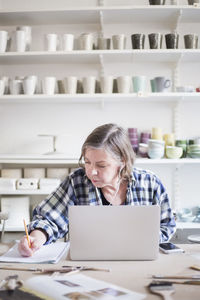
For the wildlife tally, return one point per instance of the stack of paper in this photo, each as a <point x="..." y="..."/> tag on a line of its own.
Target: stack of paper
<point x="51" y="253"/>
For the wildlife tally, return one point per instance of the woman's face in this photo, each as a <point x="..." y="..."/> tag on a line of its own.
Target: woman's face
<point x="101" y="168"/>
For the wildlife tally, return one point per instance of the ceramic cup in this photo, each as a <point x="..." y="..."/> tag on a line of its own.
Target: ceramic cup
<point x="161" y="84"/>
<point x="139" y="84"/>
<point x="89" y="84"/>
<point x="2" y="87"/>
<point x="68" y="42"/>
<point x="191" y="41"/>
<point x="138" y="41"/>
<point x="3" y="40"/>
<point x="124" y="84"/>
<point x="29" y="86"/>
<point x="156" y="133"/>
<point x="86" y="41"/>
<point x="156" y="2"/>
<point x="155" y="40"/>
<point x="15" y="86"/>
<point x="51" y="42"/>
<point x="106" y="84"/>
<point x="192" y="2"/>
<point x="70" y="84"/>
<point x="171" y="40"/>
<point x="119" y="41"/>
<point x="28" y="34"/>
<point x="6" y="84"/>
<point x="49" y="85"/>
<point x="20" y="40"/>
<point x="103" y="43"/>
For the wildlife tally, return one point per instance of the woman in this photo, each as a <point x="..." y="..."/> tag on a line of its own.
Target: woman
<point x="107" y="177"/>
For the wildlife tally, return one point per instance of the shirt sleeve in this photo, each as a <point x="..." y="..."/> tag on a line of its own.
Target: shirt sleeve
<point x="167" y="221"/>
<point x="51" y="215"/>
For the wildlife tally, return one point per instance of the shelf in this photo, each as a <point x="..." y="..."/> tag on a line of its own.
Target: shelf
<point x="167" y="161"/>
<point x="37" y="159"/>
<point x="25" y="192"/>
<point x="95" y="56"/>
<point x="187" y="225"/>
<point x="62" y="159"/>
<point x="101" y="98"/>
<point x="90" y="15"/>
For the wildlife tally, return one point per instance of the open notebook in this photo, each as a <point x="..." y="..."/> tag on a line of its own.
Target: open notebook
<point x="51" y="253"/>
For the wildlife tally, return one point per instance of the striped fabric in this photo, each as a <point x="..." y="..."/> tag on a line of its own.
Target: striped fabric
<point x="144" y="188"/>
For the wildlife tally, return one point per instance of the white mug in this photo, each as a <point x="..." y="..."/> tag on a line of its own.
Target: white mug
<point x="119" y="41"/>
<point x="70" y="84"/>
<point x="89" y="84"/>
<point x="49" y="85"/>
<point x="106" y="83"/>
<point x="15" y="86"/>
<point x="3" y="40"/>
<point x="27" y="30"/>
<point x="2" y="87"/>
<point x="68" y="42"/>
<point x="86" y="41"/>
<point x="29" y="86"/>
<point x="20" y="40"/>
<point x="124" y="84"/>
<point x="6" y="84"/>
<point x="51" y="42"/>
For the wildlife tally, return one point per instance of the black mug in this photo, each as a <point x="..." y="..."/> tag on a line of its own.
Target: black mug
<point x="191" y="41"/>
<point x="171" y="40"/>
<point x="192" y="2"/>
<point x="138" y="41"/>
<point x="155" y="40"/>
<point x="156" y="2"/>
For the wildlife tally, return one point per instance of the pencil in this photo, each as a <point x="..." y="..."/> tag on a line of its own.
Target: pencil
<point x="26" y="230"/>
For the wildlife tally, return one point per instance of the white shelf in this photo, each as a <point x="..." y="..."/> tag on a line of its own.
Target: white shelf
<point x="90" y="15"/>
<point x="187" y="225"/>
<point x="167" y="161"/>
<point x="93" y="56"/>
<point x="25" y="192"/>
<point x="101" y="98"/>
<point x="37" y="159"/>
<point x="62" y="159"/>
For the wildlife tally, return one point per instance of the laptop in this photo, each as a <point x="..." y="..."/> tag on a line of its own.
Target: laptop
<point x="114" y="232"/>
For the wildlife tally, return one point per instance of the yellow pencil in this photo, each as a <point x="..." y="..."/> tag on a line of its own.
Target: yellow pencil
<point x="26" y="230"/>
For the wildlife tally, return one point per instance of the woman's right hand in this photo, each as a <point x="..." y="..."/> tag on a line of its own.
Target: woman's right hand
<point x="37" y="239"/>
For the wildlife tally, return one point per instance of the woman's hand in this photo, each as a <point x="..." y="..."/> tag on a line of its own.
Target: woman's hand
<point x="37" y="239"/>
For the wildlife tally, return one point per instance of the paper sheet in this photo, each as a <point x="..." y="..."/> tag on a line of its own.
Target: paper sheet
<point x="46" y="254"/>
<point x="77" y="287"/>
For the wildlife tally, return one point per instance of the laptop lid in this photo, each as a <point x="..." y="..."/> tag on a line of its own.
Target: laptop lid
<point x="114" y="232"/>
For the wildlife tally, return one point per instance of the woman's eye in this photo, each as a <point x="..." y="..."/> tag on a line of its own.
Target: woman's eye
<point x="102" y="167"/>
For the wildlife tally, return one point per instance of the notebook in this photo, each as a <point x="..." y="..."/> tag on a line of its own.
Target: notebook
<point x="51" y="253"/>
<point x="114" y="232"/>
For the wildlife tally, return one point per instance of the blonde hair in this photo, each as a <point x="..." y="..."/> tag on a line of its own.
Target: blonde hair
<point x="114" y="139"/>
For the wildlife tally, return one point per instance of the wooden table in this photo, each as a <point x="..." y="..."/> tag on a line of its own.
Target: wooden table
<point x="135" y="275"/>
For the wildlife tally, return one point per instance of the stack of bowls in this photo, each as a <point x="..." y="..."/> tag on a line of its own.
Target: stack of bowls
<point x="143" y="145"/>
<point x="193" y="151"/>
<point x="133" y="137"/>
<point x="174" y="152"/>
<point x="156" y="148"/>
<point x="183" y="145"/>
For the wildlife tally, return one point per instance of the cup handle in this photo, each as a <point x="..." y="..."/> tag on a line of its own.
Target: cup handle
<point x="167" y="83"/>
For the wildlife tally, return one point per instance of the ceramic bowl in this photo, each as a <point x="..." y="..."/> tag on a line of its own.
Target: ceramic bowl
<point x="156" y="154"/>
<point x="174" y="152"/>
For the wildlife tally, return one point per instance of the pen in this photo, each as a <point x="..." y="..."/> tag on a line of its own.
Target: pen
<point x="25" y="227"/>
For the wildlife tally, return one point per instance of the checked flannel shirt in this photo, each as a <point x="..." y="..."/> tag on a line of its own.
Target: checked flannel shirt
<point x="144" y="188"/>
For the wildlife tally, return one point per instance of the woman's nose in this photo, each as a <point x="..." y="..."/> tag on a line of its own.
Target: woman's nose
<point x="94" y="172"/>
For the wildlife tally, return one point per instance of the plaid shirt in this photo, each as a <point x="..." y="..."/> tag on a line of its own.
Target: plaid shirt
<point x="144" y="188"/>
